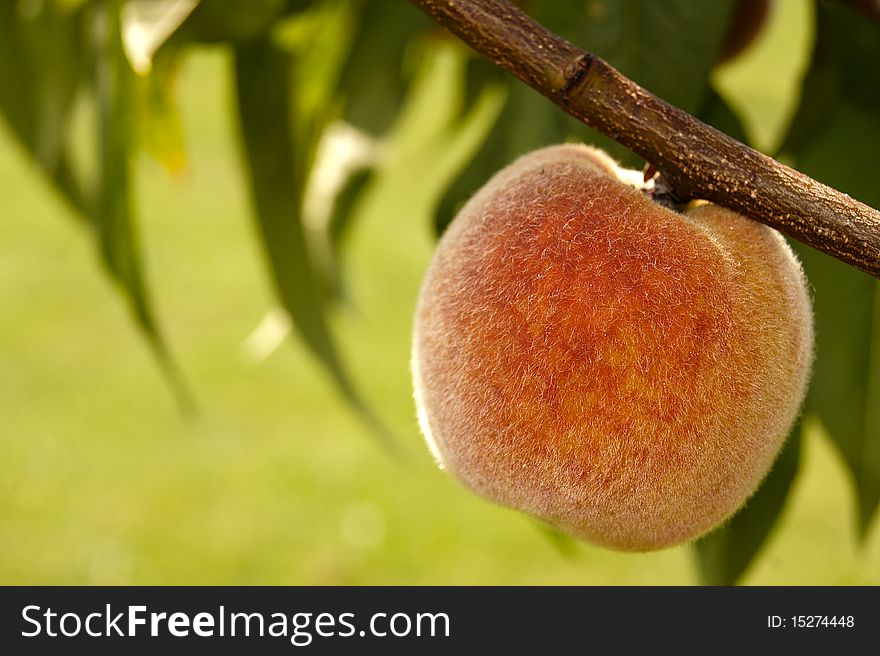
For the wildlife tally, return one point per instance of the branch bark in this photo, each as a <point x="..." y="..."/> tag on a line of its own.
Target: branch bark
<point x="694" y="158"/>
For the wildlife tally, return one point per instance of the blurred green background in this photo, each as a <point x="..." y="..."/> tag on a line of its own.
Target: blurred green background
<point x="103" y="480"/>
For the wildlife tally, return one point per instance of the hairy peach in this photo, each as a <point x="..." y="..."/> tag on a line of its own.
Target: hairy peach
<point x="621" y="370"/>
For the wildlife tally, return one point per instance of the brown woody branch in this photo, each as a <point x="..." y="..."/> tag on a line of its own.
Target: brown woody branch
<point x="696" y="160"/>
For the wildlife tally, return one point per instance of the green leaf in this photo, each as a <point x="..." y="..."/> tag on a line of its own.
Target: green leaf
<point x="373" y="77"/>
<point x="45" y="60"/>
<point x="565" y="545"/>
<point x="112" y="218"/>
<point x="321" y="40"/>
<point x="667" y="47"/>
<point x="147" y="25"/>
<point x="522" y="125"/>
<point x="842" y="70"/>
<point x="17" y="76"/>
<point x="835" y="138"/>
<point x="344" y="202"/>
<point x="278" y="147"/>
<point x="724" y="554"/>
<point x="845" y="390"/>
<point x="339" y="223"/>
<point x="159" y="127"/>
<point x="229" y="21"/>
<point x="763" y="84"/>
<point x="720" y="116"/>
<point x="42" y="64"/>
<point x="527" y="121"/>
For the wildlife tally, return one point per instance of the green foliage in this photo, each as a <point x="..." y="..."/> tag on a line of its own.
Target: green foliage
<point x="372" y="85"/>
<point x="230" y="21"/>
<point x="834" y="138"/>
<point x="724" y="555"/>
<point x="667" y="47"/>
<point x="301" y="67"/>
<point x="283" y="109"/>
<point x="112" y="218"/>
<point x="42" y="63"/>
<point x="46" y="59"/>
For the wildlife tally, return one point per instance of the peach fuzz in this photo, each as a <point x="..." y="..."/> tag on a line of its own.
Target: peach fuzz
<point x="618" y="369"/>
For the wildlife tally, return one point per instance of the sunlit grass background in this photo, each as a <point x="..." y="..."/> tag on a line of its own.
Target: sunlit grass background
<point x="103" y="481"/>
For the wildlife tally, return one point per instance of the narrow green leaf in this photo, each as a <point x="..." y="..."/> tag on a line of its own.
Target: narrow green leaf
<point x="17" y="75"/>
<point x="320" y="39"/>
<point x="344" y="203"/>
<point x="339" y="224"/>
<point x="278" y="166"/>
<point x="112" y="217"/>
<point x="373" y="77"/>
<point x="41" y="66"/>
<point x="45" y="60"/>
<point x="724" y="555"/>
<point x="57" y="42"/>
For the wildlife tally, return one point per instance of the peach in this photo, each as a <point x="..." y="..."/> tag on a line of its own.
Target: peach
<point x="619" y="369"/>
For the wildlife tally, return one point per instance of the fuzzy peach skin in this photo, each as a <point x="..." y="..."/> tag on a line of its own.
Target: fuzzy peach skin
<point x="623" y="371"/>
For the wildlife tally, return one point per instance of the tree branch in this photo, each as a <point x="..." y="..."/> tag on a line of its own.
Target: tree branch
<point x="695" y="159"/>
